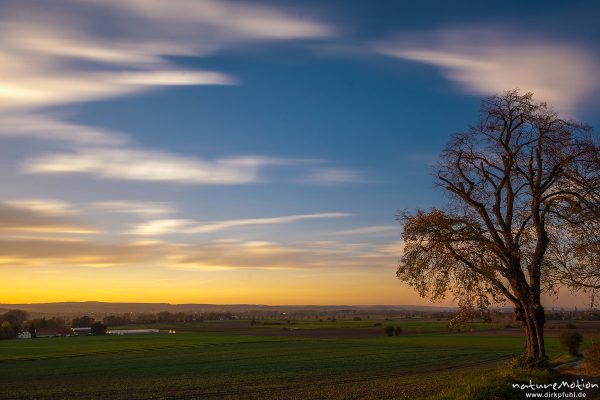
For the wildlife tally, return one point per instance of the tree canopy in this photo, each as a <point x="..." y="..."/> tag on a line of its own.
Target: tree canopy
<point x="522" y="215"/>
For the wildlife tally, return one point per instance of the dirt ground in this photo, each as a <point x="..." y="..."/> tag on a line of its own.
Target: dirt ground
<point x="582" y="373"/>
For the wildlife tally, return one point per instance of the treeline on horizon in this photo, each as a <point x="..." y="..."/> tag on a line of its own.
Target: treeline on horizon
<point x="13" y="322"/>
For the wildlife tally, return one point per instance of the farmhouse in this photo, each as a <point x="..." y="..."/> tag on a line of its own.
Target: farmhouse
<point x="59" y="331"/>
<point x="24" y="335"/>
<point x="81" y="331"/>
<point x="131" y="331"/>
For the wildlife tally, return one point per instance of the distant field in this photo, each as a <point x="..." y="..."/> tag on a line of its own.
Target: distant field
<point x="233" y="360"/>
<point x="342" y="328"/>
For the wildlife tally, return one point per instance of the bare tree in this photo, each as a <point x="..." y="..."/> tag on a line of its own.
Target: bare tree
<point x="522" y="216"/>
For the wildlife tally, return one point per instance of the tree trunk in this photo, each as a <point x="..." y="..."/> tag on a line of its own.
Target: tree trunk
<point x="533" y="318"/>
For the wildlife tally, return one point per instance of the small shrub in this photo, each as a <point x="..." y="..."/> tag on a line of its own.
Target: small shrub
<point x="514" y="364"/>
<point x="389" y="330"/>
<point x="377" y="324"/>
<point x="571" y="340"/>
<point x="592" y="354"/>
<point x="253" y="322"/>
<point x="398" y="331"/>
<point x="570" y="325"/>
<point x="357" y="319"/>
<point x="522" y="365"/>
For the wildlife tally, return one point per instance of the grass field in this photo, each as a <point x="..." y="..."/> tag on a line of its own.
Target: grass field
<point x="233" y="360"/>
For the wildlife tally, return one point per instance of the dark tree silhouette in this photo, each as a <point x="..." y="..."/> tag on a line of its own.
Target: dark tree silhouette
<point x="524" y="206"/>
<point x="389" y="330"/>
<point x="98" y="328"/>
<point x="11" y="323"/>
<point x="82" y="322"/>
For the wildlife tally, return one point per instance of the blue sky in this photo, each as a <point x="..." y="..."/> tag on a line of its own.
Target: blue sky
<point x="190" y="148"/>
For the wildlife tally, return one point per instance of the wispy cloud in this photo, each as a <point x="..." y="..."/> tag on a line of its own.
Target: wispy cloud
<point x="377" y="230"/>
<point x="166" y="226"/>
<point x="81" y="253"/>
<point x="489" y="61"/>
<point x="209" y="256"/>
<point x="36" y="77"/>
<point x="272" y="255"/>
<point x="159" y="166"/>
<point x="45" y="127"/>
<point x="141" y="208"/>
<point x="227" y="20"/>
<point x="162" y="227"/>
<point x="333" y="176"/>
<point x="59" y="55"/>
<point x="148" y="165"/>
<point x="38" y="217"/>
<point x="43" y="206"/>
<point x="55" y="55"/>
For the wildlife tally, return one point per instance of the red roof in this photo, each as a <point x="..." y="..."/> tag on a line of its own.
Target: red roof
<point x="59" y="330"/>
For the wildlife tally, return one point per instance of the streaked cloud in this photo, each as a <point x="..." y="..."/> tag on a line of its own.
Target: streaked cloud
<point x="38" y="89"/>
<point x="229" y="20"/>
<point x="186" y="226"/>
<point x="38" y="217"/>
<point x="58" y="55"/>
<point x="201" y="257"/>
<point x="272" y="255"/>
<point x="45" y="127"/>
<point x="54" y="55"/>
<point x="332" y="176"/>
<point x="82" y="253"/>
<point x="394" y="249"/>
<point x="137" y="164"/>
<point x="375" y="230"/>
<point x="35" y="77"/>
<point x="162" y="227"/>
<point x="43" y="206"/>
<point x="141" y="208"/>
<point x="223" y="256"/>
<point x="489" y="61"/>
<point x="149" y="165"/>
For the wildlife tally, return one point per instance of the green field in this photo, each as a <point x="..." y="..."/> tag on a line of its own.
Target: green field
<point x="232" y="360"/>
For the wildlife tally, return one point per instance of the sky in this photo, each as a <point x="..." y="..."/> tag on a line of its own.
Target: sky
<point x="251" y="152"/>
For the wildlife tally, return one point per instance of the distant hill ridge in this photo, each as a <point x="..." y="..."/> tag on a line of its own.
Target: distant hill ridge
<point x="97" y="307"/>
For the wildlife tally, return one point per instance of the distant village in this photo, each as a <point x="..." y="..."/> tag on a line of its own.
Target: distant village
<point x="63" y="331"/>
<point x="17" y="324"/>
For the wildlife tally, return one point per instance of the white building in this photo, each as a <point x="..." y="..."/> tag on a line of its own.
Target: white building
<point x="81" y="331"/>
<point x="24" y="335"/>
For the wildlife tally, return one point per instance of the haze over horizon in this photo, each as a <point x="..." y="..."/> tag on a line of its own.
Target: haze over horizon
<point x="230" y="152"/>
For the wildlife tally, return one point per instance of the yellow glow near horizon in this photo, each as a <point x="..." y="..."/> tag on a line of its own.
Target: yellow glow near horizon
<point x="283" y="287"/>
<point x="238" y="286"/>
